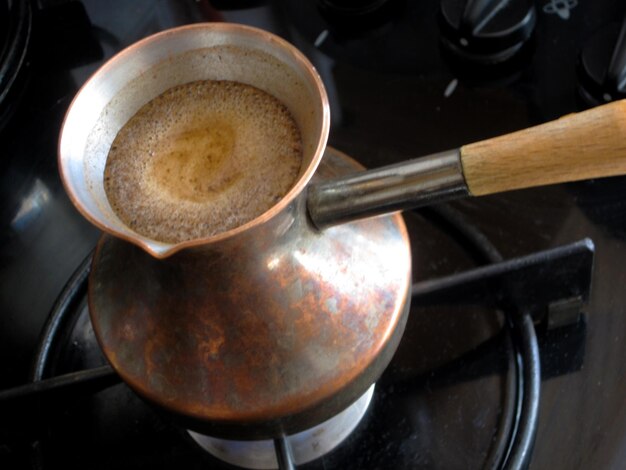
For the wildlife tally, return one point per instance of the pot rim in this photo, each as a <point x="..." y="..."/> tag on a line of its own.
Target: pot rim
<point x="161" y="250"/>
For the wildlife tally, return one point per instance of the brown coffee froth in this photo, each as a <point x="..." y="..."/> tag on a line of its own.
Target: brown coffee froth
<point x="200" y="159"/>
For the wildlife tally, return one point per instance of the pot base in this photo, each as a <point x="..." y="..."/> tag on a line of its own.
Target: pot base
<point x="305" y="446"/>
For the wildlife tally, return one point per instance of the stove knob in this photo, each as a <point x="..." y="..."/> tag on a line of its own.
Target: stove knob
<point x="358" y="14"/>
<point x="602" y="66"/>
<point x="486" y="31"/>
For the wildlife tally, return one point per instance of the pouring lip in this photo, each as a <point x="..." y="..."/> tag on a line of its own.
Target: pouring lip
<point x="161" y="250"/>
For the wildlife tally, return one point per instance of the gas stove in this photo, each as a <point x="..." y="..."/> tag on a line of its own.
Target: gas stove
<point x="513" y="352"/>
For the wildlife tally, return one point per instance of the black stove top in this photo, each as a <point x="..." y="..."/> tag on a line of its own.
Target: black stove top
<point x="405" y="79"/>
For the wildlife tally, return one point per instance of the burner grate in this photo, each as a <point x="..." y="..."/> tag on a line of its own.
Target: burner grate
<point x="513" y="445"/>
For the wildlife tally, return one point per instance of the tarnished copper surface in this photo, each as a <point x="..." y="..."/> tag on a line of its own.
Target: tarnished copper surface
<point x="271" y="331"/>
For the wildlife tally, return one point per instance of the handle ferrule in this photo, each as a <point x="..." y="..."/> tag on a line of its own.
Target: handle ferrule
<point x="410" y="184"/>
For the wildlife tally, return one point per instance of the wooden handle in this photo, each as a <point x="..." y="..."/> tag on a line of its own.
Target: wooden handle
<point x="591" y="144"/>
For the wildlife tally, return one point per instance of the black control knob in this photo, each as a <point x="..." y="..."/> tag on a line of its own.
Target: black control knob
<point x="486" y="31"/>
<point x="602" y="66"/>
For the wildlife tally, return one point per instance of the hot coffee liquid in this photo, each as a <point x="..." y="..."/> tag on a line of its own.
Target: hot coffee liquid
<point x="200" y="159"/>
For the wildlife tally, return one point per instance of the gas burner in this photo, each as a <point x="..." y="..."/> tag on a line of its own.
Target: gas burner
<point x="303" y="447"/>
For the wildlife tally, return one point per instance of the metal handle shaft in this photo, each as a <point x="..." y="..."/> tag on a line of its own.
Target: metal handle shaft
<point x="415" y="183"/>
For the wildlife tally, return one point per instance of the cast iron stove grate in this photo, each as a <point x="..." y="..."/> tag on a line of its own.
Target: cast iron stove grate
<point x="559" y="279"/>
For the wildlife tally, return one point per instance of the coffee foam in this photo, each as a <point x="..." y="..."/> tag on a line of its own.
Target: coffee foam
<point x="200" y="159"/>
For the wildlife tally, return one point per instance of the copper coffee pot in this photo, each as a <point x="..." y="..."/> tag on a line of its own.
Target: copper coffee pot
<point x="279" y="324"/>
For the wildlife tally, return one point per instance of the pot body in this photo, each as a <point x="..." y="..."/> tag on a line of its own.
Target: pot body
<point x="264" y="329"/>
<point x="268" y="332"/>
